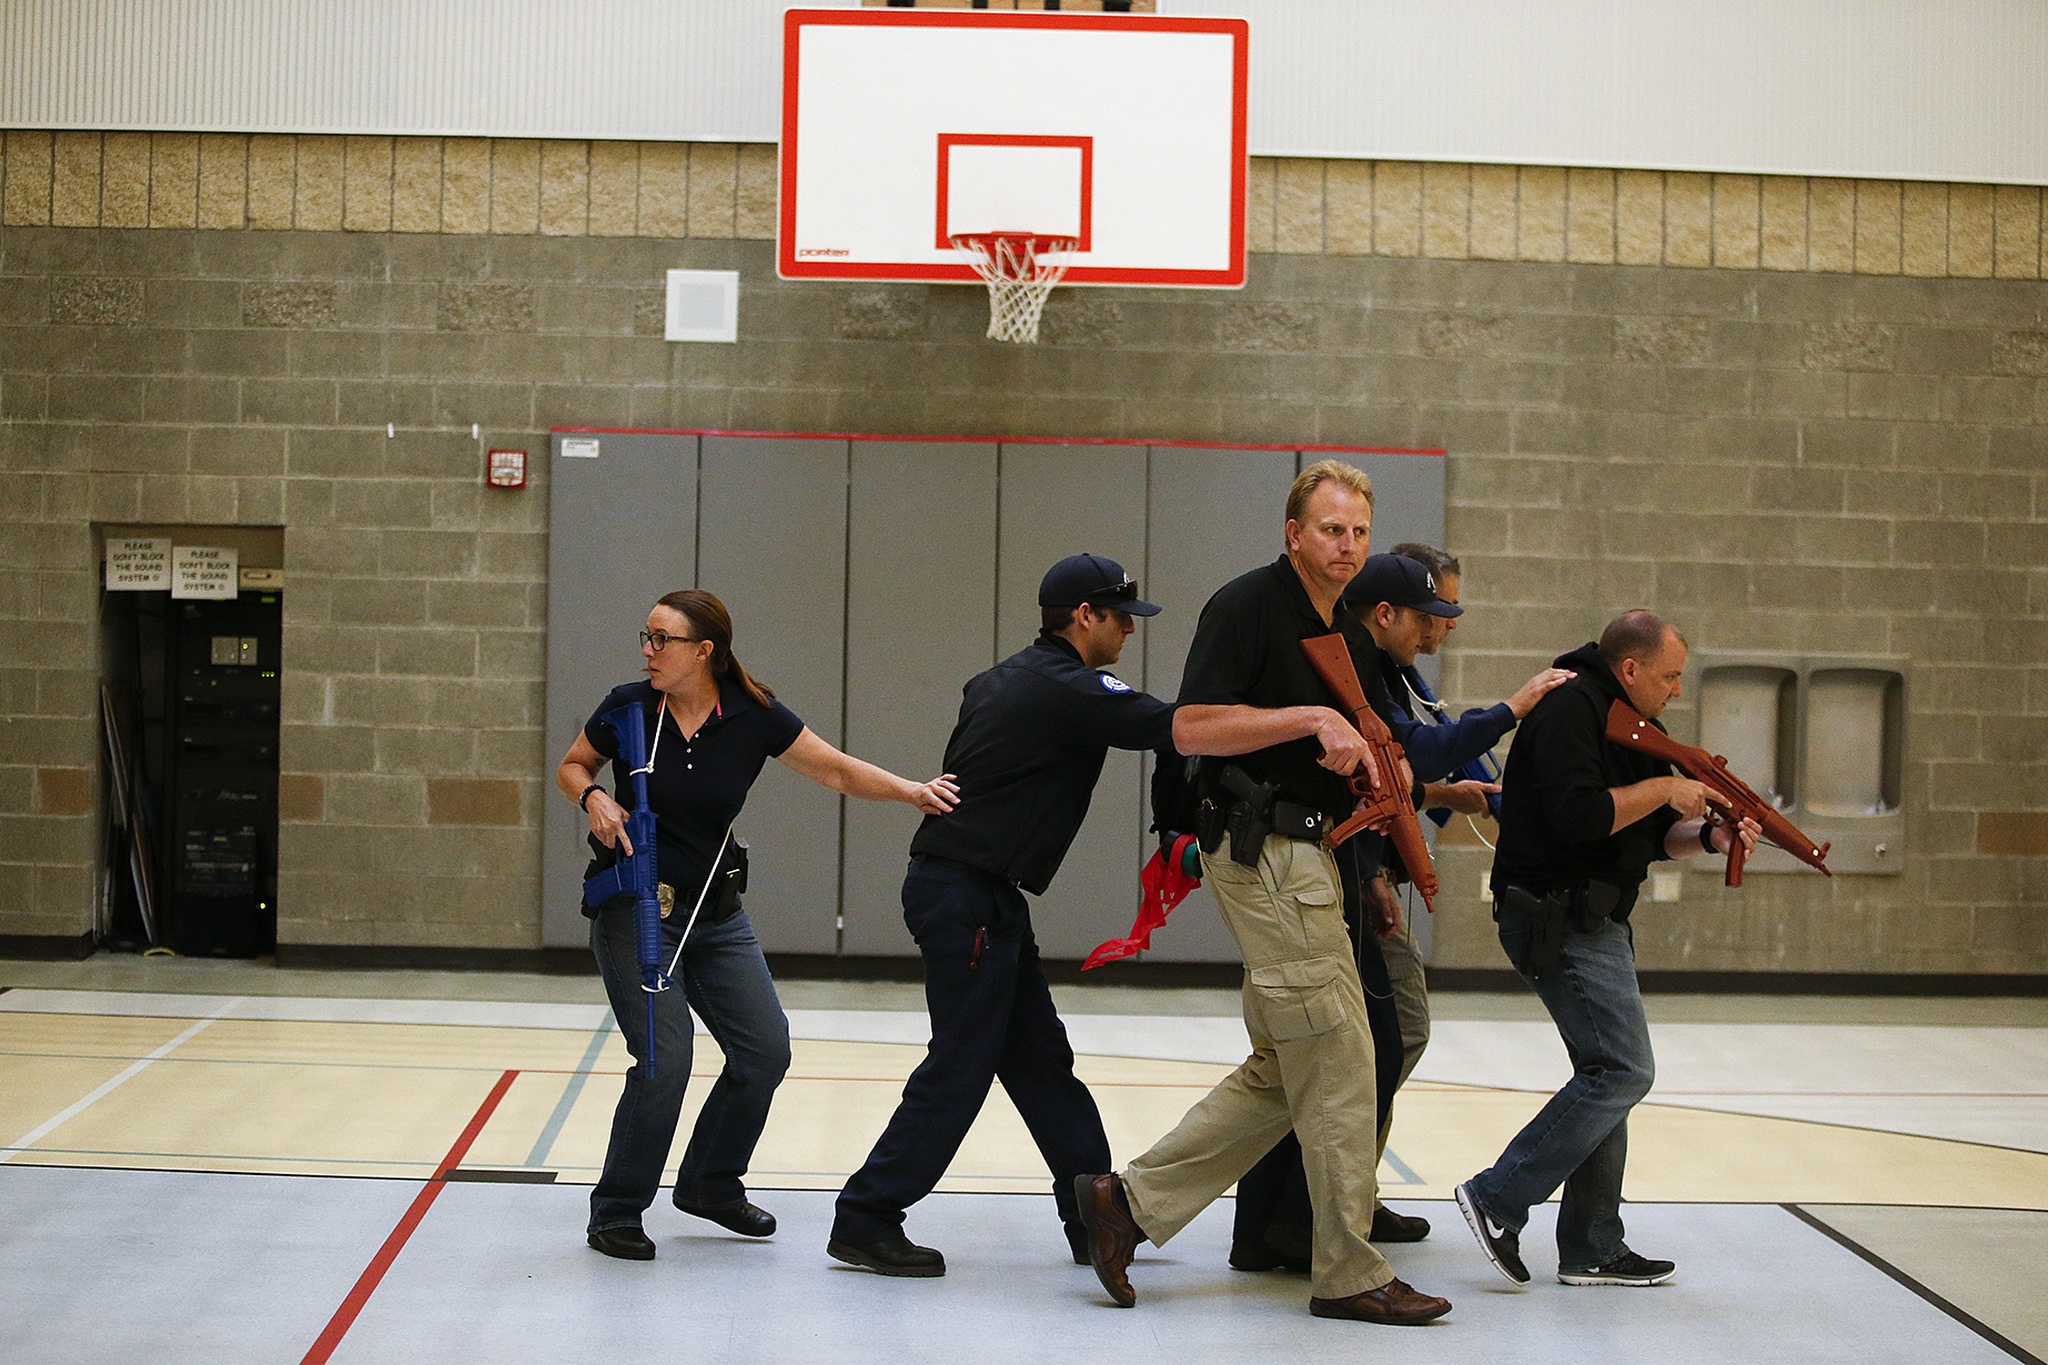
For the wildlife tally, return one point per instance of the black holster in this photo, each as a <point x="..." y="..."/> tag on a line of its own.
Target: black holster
<point x="1234" y="805"/>
<point x="1247" y="813"/>
<point x="1533" y="927"/>
<point x="1209" y="824"/>
<point x="723" y="901"/>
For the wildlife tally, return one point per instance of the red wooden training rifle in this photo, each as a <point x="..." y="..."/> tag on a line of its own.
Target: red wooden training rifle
<point x="1387" y="807"/>
<point x="1729" y="799"/>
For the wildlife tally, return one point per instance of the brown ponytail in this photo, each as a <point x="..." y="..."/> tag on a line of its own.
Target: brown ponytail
<point x="709" y="618"/>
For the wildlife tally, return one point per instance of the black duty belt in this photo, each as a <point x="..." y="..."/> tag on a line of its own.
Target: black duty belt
<point x="1299" y="822"/>
<point x="937" y="860"/>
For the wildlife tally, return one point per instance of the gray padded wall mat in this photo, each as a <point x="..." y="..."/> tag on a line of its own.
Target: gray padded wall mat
<point x="774" y="550"/>
<point x="622" y="531"/>
<point x="1059" y="500"/>
<point x="868" y="581"/>
<point x="1213" y="514"/>
<point x="920" y="593"/>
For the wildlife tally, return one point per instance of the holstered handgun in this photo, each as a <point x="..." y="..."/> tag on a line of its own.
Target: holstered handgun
<point x="1532" y="928"/>
<point x="1249" y="818"/>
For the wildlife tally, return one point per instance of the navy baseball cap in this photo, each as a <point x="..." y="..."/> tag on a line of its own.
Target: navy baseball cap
<point x="1399" y="580"/>
<point x="1095" y="580"/>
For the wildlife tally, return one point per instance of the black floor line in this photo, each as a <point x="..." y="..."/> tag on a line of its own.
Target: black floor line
<point x="1842" y="1239"/>
<point x="483" y="1175"/>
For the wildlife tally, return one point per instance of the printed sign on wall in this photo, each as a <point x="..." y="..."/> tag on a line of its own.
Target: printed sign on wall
<point x="206" y="572"/>
<point x="138" y="564"/>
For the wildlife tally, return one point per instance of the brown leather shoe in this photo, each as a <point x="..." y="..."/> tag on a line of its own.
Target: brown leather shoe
<point x="1113" y="1235"/>
<point x="1388" y="1226"/>
<point x="1393" y="1304"/>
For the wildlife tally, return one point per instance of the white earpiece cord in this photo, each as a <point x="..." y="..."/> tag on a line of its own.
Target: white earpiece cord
<point x="710" y="877"/>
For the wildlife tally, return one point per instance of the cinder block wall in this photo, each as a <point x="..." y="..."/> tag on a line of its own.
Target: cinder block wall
<point x="1794" y="415"/>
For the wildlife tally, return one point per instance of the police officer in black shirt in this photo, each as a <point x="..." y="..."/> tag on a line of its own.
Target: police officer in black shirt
<point x="1029" y="745"/>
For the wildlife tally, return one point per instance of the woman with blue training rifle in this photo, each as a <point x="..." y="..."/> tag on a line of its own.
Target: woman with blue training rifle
<point x="711" y="727"/>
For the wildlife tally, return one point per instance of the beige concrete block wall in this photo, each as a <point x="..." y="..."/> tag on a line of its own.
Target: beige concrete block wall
<point x="1796" y="414"/>
<point x="519" y="187"/>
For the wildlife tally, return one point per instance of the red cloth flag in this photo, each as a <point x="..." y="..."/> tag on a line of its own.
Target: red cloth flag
<point x="1165" y="886"/>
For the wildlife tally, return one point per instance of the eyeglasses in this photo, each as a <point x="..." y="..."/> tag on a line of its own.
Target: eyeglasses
<point x="661" y="639"/>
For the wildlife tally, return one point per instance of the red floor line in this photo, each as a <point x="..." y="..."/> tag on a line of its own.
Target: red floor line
<point x="373" y="1275"/>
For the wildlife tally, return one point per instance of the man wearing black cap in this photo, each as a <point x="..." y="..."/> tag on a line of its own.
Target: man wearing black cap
<point x="1408" y="601"/>
<point x="1399" y="601"/>
<point x="1028" y="747"/>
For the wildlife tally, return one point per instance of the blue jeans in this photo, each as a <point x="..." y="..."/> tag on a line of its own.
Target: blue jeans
<point x="723" y="977"/>
<point x="992" y="1019"/>
<point x="1580" y="1138"/>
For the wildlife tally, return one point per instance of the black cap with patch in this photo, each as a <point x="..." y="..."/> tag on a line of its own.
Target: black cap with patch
<point x="1098" y="581"/>
<point x="1399" y="580"/>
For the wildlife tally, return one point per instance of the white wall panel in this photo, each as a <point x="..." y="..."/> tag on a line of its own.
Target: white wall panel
<point x="1909" y="89"/>
<point x="704" y="70"/>
<point x="1913" y="89"/>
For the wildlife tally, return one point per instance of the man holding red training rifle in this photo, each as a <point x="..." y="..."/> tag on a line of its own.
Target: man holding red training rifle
<point x="1581" y="820"/>
<point x="1250" y="692"/>
<point x="1407" y="607"/>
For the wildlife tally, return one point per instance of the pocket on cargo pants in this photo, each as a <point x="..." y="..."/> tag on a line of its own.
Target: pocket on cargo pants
<point x="1298" y="999"/>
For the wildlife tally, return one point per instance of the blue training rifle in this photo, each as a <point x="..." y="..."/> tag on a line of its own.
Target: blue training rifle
<point x="635" y="875"/>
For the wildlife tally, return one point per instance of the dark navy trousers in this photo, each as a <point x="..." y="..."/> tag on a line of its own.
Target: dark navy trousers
<point x="992" y="1019"/>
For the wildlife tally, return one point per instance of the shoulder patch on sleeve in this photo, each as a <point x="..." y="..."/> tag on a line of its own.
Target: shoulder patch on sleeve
<point x="1114" y="684"/>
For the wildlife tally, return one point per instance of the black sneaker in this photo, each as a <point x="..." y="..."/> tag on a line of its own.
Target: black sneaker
<point x="1501" y="1245"/>
<point x="1625" y="1268"/>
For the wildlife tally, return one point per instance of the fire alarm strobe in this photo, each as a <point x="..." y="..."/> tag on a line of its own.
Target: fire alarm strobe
<point x="507" y="469"/>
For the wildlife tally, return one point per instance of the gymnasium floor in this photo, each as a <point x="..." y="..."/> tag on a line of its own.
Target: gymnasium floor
<point x="227" y="1162"/>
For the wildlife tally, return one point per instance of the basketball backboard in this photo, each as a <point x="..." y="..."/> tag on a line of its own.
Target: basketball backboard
<point x="903" y="129"/>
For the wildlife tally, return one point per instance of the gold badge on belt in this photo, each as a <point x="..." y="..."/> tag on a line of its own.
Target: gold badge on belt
<point x="667" y="896"/>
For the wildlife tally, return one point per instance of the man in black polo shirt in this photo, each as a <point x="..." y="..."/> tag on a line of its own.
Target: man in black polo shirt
<point x="1027" y="750"/>
<point x="1396" y="598"/>
<point x="1581" y="820"/>
<point x="1249" y="691"/>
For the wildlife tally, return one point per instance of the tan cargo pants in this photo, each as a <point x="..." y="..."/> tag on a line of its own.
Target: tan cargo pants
<point x="1311" y="1069"/>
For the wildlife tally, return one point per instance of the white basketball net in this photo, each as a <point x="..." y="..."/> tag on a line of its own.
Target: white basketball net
<point x="1020" y="270"/>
